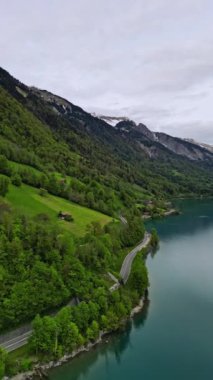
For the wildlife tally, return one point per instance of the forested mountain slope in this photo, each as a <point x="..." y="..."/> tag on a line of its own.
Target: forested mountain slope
<point x="112" y="167"/>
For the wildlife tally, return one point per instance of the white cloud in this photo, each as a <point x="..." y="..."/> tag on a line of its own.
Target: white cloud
<point x="151" y="59"/>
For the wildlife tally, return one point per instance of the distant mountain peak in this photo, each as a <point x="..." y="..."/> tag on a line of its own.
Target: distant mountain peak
<point x="112" y="120"/>
<point x="202" y="145"/>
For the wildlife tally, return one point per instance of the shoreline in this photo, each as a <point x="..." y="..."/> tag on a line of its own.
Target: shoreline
<point x="169" y="212"/>
<point x="41" y="370"/>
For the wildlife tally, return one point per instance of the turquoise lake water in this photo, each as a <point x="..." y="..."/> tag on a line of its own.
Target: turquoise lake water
<point x="172" y="338"/>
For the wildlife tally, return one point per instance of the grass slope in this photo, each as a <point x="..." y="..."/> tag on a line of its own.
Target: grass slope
<point x="27" y="200"/>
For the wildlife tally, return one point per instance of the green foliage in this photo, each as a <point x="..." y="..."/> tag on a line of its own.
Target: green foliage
<point x="82" y="323"/>
<point x="154" y="238"/>
<point x="4" y="184"/>
<point x="41" y="267"/>
<point x="4" y="165"/>
<point x="26" y="200"/>
<point x="44" y="340"/>
<point x="92" y="331"/>
<point x="138" y="280"/>
<point x="43" y="192"/>
<point x="25" y="365"/>
<point x="3" y="360"/>
<point x="73" y="326"/>
<point x="16" y="180"/>
<point x="35" y="267"/>
<point x="99" y="169"/>
<point x="133" y="231"/>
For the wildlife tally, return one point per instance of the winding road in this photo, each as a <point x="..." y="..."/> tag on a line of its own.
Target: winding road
<point x="127" y="263"/>
<point x="16" y="342"/>
<point x="17" y="338"/>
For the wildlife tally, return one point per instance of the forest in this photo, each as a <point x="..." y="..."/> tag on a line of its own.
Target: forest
<point x="43" y="269"/>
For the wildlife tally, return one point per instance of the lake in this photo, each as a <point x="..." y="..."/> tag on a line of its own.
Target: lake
<point x="172" y="338"/>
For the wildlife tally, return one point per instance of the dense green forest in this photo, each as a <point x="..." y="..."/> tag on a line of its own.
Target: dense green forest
<point x="43" y="268"/>
<point x="36" y="255"/>
<point x="66" y="179"/>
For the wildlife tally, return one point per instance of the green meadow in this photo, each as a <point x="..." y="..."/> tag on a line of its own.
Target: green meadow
<point x="26" y="200"/>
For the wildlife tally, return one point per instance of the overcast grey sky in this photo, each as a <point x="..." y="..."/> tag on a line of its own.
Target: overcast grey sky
<point x="150" y="60"/>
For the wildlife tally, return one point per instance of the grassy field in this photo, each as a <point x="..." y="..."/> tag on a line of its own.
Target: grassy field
<point x="27" y="200"/>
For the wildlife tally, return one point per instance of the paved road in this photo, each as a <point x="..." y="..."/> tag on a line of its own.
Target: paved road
<point x="19" y="337"/>
<point x="16" y="342"/>
<point x="127" y="263"/>
<point x="123" y="220"/>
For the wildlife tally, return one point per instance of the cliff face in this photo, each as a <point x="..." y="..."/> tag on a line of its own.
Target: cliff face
<point x="156" y="144"/>
<point x="202" y="145"/>
<point x="184" y="148"/>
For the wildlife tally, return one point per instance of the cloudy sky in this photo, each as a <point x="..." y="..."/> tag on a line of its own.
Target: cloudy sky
<point x="149" y="60"/>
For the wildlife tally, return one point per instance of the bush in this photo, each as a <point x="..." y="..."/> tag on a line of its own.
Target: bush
<point x="3" y="358"/>
<point x="154" y="238"/>
<point x="16" y="180"/>
<point x="26" y="364"/>
<point x="4" y="183"/>
<point x="43" y="192"/>
<point x="4" y="167"/>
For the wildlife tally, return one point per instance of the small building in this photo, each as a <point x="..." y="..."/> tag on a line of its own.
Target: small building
<point x="65" y="216"/>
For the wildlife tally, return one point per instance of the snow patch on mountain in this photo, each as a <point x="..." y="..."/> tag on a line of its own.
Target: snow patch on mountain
<point x="112" y="120"/>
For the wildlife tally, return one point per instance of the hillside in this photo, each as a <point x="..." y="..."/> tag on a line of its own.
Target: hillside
<point x="116" y="166"/>
<point x="28" y="201"/>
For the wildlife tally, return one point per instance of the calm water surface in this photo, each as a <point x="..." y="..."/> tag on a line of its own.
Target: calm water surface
<point x="173" y="337"/>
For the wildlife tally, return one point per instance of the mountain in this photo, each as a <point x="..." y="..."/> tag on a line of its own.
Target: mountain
<point x="113" y="167"/>
<point x="112" y="120"/>
<point x="203" y="145"/>
<point x="27" y="95"/>
<point x="184" y="147"/>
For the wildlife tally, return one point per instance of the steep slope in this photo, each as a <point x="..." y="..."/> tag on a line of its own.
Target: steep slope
<point x="185" y="148"/>
<point x="116" y="166"/>
<point x="148" y="140"/>
<point x="203" y="145"/>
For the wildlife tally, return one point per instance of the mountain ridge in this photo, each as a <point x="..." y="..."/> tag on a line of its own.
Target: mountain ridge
<point x="184" y="147"/>
<point x="128" y="159"/>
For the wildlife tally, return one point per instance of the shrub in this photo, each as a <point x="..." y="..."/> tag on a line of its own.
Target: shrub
<point x="16" y="180"/>
<point x="4" y="183"/>
<point x="43" y="192"/>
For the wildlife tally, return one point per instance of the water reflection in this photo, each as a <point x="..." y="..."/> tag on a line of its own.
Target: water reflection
<point x="140" y="319"/>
